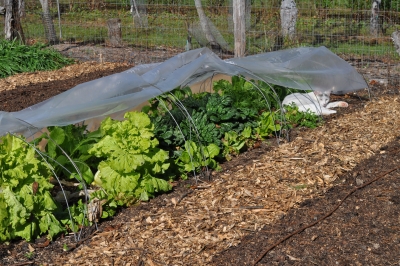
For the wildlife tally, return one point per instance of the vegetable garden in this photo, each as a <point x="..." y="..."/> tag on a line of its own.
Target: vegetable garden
<point x="179" y="134"/>
<point x="45" y="188"/>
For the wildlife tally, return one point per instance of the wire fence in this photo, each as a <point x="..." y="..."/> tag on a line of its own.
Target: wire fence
<point x="356" y="30"/>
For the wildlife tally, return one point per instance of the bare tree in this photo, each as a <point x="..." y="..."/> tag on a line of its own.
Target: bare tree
<point x="204" y="23"/>
<point x="48" y="22"/>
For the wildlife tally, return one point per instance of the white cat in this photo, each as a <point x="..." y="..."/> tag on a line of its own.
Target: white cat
<point x="315" y="102"/>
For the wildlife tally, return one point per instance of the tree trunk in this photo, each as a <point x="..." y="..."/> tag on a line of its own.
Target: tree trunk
<point x="139" y="13"/>
<point x="21" y="8"/>
<point x="396" y="40"/>
<point x="8" y="30"/>
<point x="204" y="23"/>
<point x="374" y="26"/>
<point x="239" y="27"/>
<point x="48" y="22"/>
<point x="12" y="25"/>
<point x="114" y="32"/>
<point x="288" y="18"/>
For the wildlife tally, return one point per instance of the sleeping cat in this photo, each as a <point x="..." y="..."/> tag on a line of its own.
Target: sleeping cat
<point x="316" y="102"/>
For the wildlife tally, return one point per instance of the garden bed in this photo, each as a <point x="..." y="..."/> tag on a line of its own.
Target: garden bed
<point x="262" y="195"/>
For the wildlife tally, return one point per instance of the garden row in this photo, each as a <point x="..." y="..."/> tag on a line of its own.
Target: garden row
<point x="75" y="177"/>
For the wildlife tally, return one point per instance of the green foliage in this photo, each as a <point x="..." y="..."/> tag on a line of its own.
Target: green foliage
<point x="180" y="133"/>
<point x="68" y="146"/>
<point x="257" y="95"/>
<point x="78" y="212"/>
<point x="200" y="126"/>
<point x="234" y="142"/>
<point x="161" y="103"/>
<point x="294" y="118"/>
<point x="29" y="255"/>
<point x="194" y="158"/>
<point x="26" y="205"/>
<point x="18" y="58"/>
<point x="206" y="118"/>
<point x="243" y="94"/>
<point x="267" y="124"/>
<point x="213" y="117"/>
<point x="134" y="164"/>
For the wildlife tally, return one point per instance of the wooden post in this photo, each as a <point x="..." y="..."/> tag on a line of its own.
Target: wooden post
<point x="114" y="32"/>
<point x="139" y="13"/>
<point x="239" y="27"/>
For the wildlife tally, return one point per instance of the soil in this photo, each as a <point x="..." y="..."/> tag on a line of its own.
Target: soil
<point x="283" y="198"/>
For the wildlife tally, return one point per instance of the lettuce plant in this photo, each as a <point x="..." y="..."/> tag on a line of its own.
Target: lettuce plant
<point x="234" y="142"/>
<point x="26" y="205"/>
<point x="134" y="167"/>
<point x="267" y="125"/>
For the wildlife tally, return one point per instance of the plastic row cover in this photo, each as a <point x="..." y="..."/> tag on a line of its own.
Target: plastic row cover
<point x="300" y="68"/>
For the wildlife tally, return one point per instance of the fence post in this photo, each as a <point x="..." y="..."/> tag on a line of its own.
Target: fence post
<point x="239" y="27"/>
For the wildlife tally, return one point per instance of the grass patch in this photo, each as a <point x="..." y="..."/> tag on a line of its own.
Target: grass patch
<point x="339" y="31"/>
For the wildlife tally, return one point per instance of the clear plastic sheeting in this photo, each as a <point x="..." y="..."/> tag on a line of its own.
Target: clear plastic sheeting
<point x="299" y="68"/>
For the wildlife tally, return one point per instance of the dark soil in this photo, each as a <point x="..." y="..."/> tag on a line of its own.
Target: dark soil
<point x="363" y="231"/>
<point x="22" y="97"/>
